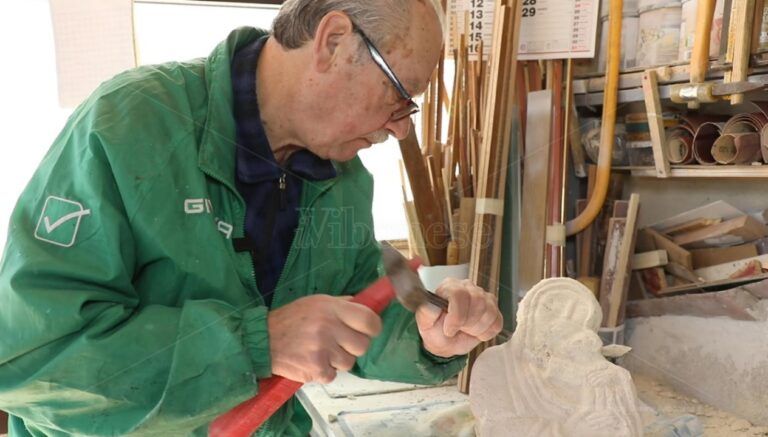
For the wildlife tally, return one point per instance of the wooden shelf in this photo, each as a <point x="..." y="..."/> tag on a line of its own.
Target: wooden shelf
<point x="651" y="91"/>
<point x="588" y="91"/>
<point x="702" y="171"/>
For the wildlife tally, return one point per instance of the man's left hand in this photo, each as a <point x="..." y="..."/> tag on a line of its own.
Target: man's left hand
<point x="472" y="317"/>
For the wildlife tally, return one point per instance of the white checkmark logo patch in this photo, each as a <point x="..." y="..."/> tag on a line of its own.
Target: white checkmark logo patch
<point x="59" y="221"/>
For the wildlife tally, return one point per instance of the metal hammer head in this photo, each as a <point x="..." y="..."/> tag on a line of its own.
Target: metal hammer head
<point x="409" y="289"/>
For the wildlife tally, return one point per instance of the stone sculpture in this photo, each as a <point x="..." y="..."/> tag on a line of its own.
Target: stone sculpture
<point x="550" y="379"/>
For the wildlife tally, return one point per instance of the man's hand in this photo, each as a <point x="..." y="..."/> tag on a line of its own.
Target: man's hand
<point x="472" y="317"/>
<point x="313" y="337"/>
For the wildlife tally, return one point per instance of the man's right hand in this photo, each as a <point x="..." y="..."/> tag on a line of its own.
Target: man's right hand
<point x="313" y="337"/>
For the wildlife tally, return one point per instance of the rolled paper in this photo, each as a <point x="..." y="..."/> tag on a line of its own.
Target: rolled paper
<point x="705" y="136"/>
<point x="738" y="148"/>
<point x="680" y="145"/>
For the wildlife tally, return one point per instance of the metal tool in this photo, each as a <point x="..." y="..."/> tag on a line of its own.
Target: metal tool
<point x="401" y="281"/>
<point x="708" y="92"/>
<point x="408" y="287"/>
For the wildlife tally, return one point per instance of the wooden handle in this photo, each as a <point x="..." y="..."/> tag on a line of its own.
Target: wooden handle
<point x="700" y="53"/>
<point x="246" y="418"/>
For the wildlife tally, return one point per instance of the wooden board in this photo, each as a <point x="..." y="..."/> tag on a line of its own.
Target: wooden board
<point x="532" y="235"/>
<point x="716" y="210"/>
<point x="734" y="231"/>
<point x="415" y="238"/>
<point x="654" y="280"/>
<point x="646" y="260"/>
<point x="466" y="221"/>
<point x="690" y="226"/>
<point x="735" y="269"/>
<point x="683" y="273"/>
<point x="428" y="211"/>
<point x="735" y="304"/>
<point x="686" y="288"/>
<point x="611" y="268"/>
<point x="614" y="284"/>
<point x="675" y="252"/>
<point x="719" y="255"/>
<point x="620" y="286"/>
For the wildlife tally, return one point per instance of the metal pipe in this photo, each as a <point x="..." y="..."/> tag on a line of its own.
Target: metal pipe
<point x="610" y="98"/>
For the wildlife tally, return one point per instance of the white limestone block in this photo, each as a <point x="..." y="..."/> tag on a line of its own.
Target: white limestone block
<point x="550" y="378"/>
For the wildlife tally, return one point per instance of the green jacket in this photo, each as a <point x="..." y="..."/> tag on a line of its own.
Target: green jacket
<point x="124" y="309"/>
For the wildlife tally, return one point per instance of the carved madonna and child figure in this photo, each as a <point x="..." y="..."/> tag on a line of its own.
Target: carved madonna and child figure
<point x="550" y="378"/>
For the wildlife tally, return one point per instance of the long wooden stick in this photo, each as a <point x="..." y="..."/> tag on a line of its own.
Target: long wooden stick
<point x="428" y="211"/>
<point x="497" y="132"/>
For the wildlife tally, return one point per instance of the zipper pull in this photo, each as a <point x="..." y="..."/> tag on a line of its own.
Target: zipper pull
<point x="281" y="185"/>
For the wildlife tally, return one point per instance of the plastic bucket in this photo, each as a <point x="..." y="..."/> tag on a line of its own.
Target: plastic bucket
<point x="658" y="36"/>
<point x="764" y="29"/>
<point x="688" y="29"/>
<point x="629" y="26"/>
<point x="643" y="5"/>
<point x="629" y="9"/>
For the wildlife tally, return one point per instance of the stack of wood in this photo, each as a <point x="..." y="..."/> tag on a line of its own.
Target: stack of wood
<point x="606" y="247"/>
<point x="713" y="245"/>
<point x="442" y="176"/>
<point x="458" y="186"/>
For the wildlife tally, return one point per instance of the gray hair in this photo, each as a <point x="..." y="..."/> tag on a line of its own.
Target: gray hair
<point x="297" y="20"/>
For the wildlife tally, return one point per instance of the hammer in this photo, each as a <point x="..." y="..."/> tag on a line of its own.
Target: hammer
<point x="401" y="281"/>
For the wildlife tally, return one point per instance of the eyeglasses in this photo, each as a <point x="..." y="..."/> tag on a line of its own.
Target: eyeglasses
<point x="411" y="107"/>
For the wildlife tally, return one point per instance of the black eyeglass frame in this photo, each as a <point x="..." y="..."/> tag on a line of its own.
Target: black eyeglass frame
<point x="411" y="107"/>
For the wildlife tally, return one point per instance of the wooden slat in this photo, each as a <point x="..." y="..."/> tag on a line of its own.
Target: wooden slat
<point x="428" y="212"/>
<point x="464" y="228"/>
<point x="415" y="237"/>
<point x="675" y="252"/>
<point x="692" y="225"/>
<point x="682" y="272"/>
<point x="654" y="280"/>
<point x="734" y="269"/>
<point x="655" y="123"/>
<point x="615" y="281"/>
<point x="719" y="255"/>
<point x="616" y="229"/>
<point x="734" y="231"/>
<point x="535" y="184"/>
<point x="647" y="260"/>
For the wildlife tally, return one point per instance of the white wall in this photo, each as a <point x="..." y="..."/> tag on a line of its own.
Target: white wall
<point x="30" y="117"/>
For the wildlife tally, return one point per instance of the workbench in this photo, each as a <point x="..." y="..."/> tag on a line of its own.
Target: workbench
<point x="352" y="406"/>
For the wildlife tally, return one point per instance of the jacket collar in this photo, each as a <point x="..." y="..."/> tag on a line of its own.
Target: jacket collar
<point x="218" y="141"/>
<point x="255" y="160"/>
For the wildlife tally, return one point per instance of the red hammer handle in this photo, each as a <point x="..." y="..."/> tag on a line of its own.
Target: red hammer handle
<point x="246" y="418"/>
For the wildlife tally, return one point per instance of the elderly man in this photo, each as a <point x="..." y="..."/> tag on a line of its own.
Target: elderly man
<point x="199" y="226"/>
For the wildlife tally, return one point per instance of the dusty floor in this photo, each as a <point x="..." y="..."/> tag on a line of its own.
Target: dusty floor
<point x="716" y="423"/>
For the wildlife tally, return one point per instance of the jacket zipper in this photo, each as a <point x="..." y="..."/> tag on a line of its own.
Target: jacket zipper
<point x="265" y="429"/>
<point x="281" y="186"/>
<point x="304" y="219"/>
